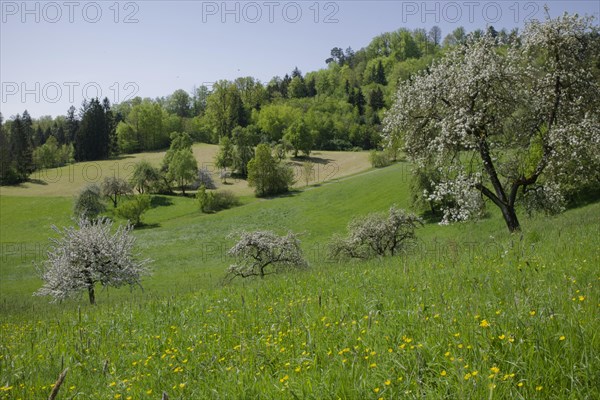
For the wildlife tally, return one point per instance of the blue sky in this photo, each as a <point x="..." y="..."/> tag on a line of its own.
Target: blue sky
<point x="53" y="54"/>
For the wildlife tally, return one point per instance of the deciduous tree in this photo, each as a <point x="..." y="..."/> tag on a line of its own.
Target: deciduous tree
<point x="377" y="234"/>
<point x="144" y="176"/>
<point x="183" y="168"/>
<point x="114" y="188"/>
<point x="266" y="175"/>
<point x="504" y="123"/>
<point x="300" y="137"/>
<point x="224" y="157"/>
<point x="92" y="253"/>
<point x="263" y="252"/>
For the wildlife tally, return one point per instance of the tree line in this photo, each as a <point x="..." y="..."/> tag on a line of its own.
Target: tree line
<point x="28" y="145"/>
<point x="339" y="107"/>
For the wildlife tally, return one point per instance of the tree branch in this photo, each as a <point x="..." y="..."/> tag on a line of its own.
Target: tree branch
<point x="484" y="151"/>
<point x="489" y="194"/>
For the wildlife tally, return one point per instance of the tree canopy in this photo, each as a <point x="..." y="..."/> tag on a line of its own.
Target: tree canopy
<point x="502" y="121"/>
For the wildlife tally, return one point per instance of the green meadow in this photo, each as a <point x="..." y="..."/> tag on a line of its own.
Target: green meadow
<point x="471" y="312"/>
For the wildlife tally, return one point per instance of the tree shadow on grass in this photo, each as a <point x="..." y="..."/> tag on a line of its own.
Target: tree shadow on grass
<point x="584" y="197"/>
<point x="142" y="226"/>
<point x="431" y="218"/>
<point x="122" y="157"/>
<point x="21" y="184"/>
<point x="291" y="193"/>
<point x="36" y="182"/>
<point x="314" y="160"/>
<point x="160" y="201"/>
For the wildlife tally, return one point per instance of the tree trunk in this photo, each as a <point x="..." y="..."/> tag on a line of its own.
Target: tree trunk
<point x="432" y="206"/>
<point x="92" y="295"/>
<point x="508" y="209"/>
<point x="510" y="217"/>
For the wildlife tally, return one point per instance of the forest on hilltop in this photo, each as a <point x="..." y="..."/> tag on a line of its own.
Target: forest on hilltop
<point x="339" y="107"/>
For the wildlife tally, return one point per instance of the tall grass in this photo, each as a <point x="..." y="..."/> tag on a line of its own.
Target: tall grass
<point x="472" y="313"/>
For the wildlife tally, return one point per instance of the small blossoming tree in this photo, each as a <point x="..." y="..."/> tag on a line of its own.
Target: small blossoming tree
<point x="376" y="234"/>
<point x="81" y="258"/>
<point x="263" y="252"/>
<point x="506" y="121"/>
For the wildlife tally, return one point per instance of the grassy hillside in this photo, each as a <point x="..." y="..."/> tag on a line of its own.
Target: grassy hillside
<point x="473" y="313"/>
<point x="176" y="230"/>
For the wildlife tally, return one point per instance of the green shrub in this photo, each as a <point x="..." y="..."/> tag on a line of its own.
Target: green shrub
<point x="210" y="201"/>
<point x="379" y="159"/>
<point x="133" y="210"/>
<point x="225" y="199"/>
<point x="88" y="203"/>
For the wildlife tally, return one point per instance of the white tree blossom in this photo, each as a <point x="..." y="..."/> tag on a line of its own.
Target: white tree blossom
<point x="377" y="234"/>
<point x="503" y="120"/>
<point x="81" y="258"/>
<point x="461" y="202"/>
<point x="263" y="252"/>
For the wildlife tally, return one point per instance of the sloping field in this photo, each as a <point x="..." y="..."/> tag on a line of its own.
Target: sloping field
<point x="68" y="180"/>
<point x="473" y="313"/>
